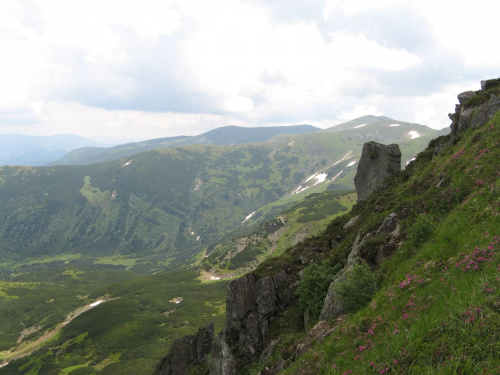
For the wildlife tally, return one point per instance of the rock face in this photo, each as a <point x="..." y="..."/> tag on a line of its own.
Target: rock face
<point x="250" y="307"/>
<point x="471" y="114"/>
<point x="377" y="162"/>
<point x="186" y="352"/>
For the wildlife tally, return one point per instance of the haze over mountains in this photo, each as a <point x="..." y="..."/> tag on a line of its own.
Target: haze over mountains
<point x="16" y="149"/>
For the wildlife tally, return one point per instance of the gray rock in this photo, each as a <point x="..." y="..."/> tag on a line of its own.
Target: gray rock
<point x="473" y="117"/>
<point x="351" y="222"/>
<point x="377" y="162"/>
<point x="222" y="361"/>
<point x="251" y="305"/>
<point x="186" y="352"/>
<point x="354" y="254"/>
<point x="389" y="225"/>
<point x="464" y="96"/>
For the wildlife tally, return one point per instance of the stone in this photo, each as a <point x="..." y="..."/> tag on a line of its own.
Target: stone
<point x="354" y="254"/>
<point x="464" y="96"/>
<point x="251" y="305"/>
<point x="473" y="117"/>
<point x="187" y="352"/>
<point x="377" y="162"/>
<point x="351" y="222"/>
<point x="389" y="225"/>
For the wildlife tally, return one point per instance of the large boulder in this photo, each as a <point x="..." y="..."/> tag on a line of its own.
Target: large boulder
<point x="377" y="162"/>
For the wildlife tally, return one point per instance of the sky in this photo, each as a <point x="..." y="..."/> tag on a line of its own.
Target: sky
<point x="140" y="69"/>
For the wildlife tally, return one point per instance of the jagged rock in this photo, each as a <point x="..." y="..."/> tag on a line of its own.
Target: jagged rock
<point x="464" y="96"/>
<point x="351" y="222"/>
<point x="222" y="361"/>
<point x="354" y="254"/>
<point x="186" y="352"/>
<point x="377" y="162"/>
<point x="389" y="225"/>
<point x="250" y="307"/>
<point x="473" y="117"/>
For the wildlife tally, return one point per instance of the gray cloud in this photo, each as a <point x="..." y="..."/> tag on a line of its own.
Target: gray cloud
<point x="155" y="79"/>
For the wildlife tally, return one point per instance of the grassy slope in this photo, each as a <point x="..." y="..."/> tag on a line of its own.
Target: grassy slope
<point x="437" y="310"/>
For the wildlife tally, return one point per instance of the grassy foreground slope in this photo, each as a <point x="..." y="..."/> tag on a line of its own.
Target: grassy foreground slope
<point x="436" y="309"/>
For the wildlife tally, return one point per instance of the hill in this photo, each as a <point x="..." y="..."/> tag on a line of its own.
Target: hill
<point x="227" y="135"/>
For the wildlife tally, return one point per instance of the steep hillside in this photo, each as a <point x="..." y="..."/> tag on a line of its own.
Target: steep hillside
<point x="407" y="282"/>
<point x="227" y="135"/>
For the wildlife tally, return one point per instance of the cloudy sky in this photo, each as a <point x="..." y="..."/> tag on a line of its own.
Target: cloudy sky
<point x="140" y="69"/>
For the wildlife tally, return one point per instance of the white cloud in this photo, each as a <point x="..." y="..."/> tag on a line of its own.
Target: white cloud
<point x="150" y="68"/>
<point x="358" y="111"/>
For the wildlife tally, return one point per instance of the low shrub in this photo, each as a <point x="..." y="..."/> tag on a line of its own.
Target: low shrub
<point x="314" y="286"/>
<point x="357" y="289"/>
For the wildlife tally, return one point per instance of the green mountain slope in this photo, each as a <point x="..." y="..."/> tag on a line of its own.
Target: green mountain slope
<point x="227" y="135"/>
<point x="159" y="208"/>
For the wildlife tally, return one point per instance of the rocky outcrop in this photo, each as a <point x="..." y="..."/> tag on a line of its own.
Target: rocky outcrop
<point x="187" y="352"/>
<point x="369" y="247"/>
<point x="476" y="108"/>
<point x="377" y="162"/>
<point x="251" y="305"/>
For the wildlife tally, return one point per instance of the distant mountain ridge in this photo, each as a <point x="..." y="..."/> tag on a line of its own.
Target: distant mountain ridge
<point x="17" y="149"/>
<point x="226" y="135"/>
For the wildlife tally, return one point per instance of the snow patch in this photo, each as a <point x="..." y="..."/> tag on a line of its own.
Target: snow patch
<point x="198" y="238"/>
<point x="320" y="178"/>
<point x="352" y="163"/>
<point x="300" y="189"/>
<point x="337" y="175"/>
<point x="413" y="134"/>
<point x="248" y="217"/>
<point x="359" y="126"/>
<point x="311" y="177"/>
<point x="409" y="161"/>
<point x="176" y="300"/>
<point x="214" y="278"/>
<point x="127" y="163"/>
<point x="345" y="157"/>
<point x="94" y="304"/>
<point x="393" y="125"/>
